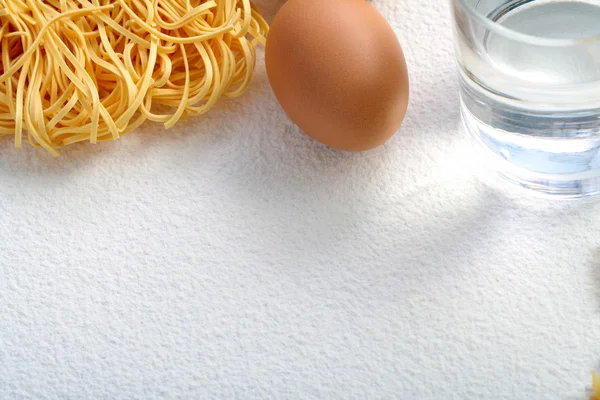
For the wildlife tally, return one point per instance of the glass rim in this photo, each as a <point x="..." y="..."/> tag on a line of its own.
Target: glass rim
<point x="524" y="37"/>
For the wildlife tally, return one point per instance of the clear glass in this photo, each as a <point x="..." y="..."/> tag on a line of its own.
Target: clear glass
<point x="530" y="89"/>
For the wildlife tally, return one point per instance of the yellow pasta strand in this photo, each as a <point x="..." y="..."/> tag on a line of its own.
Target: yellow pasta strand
<point x="94" y="70"/>
<point x="595" y="387"/>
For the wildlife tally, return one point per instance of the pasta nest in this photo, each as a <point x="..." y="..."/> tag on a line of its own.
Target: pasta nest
<point x="94" y="70"/>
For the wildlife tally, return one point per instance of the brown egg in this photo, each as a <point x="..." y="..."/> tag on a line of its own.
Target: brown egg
<point x="338" y="71"/>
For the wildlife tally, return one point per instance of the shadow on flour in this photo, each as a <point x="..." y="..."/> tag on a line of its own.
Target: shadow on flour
<point x="337" y="198"/>
<point x="446" y="231"/>
<point x="32" y="162"/>
<point x="314" y="199"/>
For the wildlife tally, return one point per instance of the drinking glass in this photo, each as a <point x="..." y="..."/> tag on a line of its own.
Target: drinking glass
<point x="530" y="89"/>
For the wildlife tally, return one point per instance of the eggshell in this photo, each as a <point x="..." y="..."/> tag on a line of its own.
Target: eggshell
<point x="337" y="69"/>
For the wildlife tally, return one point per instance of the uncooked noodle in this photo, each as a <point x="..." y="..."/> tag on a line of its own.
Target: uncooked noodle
<point x="92" y="70"/>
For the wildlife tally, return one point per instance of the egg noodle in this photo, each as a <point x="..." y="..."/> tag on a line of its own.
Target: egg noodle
<point x="595" y="387"/>
<point x="93" y="70"/>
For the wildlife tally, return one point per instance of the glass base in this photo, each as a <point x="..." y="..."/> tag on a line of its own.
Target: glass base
<point x="532" y="162"/>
